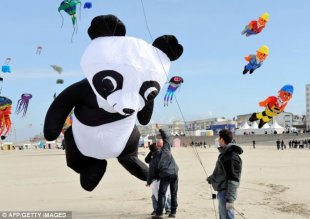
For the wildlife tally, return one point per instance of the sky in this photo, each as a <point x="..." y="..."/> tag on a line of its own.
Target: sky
<point x="211" y="65"/>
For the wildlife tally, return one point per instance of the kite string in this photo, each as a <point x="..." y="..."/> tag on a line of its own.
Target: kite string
<point x="195" y="149"/>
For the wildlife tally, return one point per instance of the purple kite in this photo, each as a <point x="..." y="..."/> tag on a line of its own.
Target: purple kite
<point x="174" y="83"/>
<point x="22" y="104"/>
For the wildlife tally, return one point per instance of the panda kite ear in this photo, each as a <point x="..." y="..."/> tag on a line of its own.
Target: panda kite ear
<point x="106" y="25"/>
<point x="169" y="45"/>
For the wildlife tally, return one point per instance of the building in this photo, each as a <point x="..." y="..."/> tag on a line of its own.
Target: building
<point x="308" y="106"/>
<point x="299" y="121"/>
<point x="285" y="119"/>
<point x="151" y="130"/>
<point x="203" y="124"/>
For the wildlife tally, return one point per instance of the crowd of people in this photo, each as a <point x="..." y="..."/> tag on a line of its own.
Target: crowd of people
<point x="300" y="143"/>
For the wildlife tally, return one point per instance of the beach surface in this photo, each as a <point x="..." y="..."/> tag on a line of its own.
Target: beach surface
<point x="274" y="184"/>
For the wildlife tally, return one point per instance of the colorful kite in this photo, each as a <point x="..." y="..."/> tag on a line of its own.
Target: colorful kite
<point x="174" y="83"/>
<point x="273" y="105"/>
<point x="69" y="6"/>
<point x="23" y="103"/>
<point x="88" y="5"/>
<point x="256" y="61"/>
<point x="5" y="112"/>
<point x="5" y="67"/>
<point x="67" y="123"/>
<point x="255" y="27"/>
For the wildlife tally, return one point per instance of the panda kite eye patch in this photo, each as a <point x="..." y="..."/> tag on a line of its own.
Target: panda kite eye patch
<point x="107" y="82"/>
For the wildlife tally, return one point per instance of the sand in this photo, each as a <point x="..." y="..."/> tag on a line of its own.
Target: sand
<point x="274" y="184"/>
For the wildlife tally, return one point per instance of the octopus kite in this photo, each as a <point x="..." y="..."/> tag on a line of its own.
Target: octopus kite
<point x="22" y="104"/>
<point x="39" y="50"/>
<point x="5" y="120"/>
<point x="174" y="83"/>
<point x="273" y="105"/>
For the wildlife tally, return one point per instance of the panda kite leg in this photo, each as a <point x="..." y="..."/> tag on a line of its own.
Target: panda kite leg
<point x="91" y="170"/>
<point x="129" y="157"/>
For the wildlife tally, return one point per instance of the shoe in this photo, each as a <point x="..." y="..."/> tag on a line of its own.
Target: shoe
<point x="171" y="216"/>
<point x="251" y="71"/>
<point x="244" y="72"/>
<point x="167" y="212"/>
<point x="153" y="213"/>
<point x="158" y="216"/>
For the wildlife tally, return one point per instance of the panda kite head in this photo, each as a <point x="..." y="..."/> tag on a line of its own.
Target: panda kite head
<point x="126" y="73"/>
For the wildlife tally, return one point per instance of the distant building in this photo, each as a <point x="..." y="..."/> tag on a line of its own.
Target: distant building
<point x="285" y="119"/>
<point x="203" y="124"/>
<point x="308" y="106"/>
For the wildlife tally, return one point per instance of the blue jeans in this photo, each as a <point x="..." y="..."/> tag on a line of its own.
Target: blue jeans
<point x="167" y="205"/>
<point x="224" y="214"/>
<point x="163" y="185"/>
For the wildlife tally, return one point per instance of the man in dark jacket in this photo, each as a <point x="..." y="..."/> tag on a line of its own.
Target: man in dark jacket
<point x="148" y="159"/>
<point x="163" y="165"/>
<point x="225" y="178"/>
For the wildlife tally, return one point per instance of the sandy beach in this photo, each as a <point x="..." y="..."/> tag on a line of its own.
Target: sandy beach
<point x="274" y="184"/>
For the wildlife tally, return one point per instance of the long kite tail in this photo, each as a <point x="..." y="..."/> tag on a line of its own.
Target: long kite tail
<point x="62" y="20"/>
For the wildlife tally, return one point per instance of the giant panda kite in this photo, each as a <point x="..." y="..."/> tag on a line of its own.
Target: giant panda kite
<point x="123" y="76"/>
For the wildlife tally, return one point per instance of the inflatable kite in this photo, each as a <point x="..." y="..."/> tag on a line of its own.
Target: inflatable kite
<point x="174" y="83"/>
<point x="273" y="105"/>
<point x="57" y="68"/>
<point x="5" y="67"/>
<point x="22" y="104"/>
<point x="255" y="27"/>
<point x="256" y="61"/>
<point x="59" y="81"/>
<point x="88" y="5"/>
<point x="123" y="77"/>
<point x="68" y="123"/>
<point x="39" y="50"/>
<point x="69" y="6"/>
<point x="5" y="120"/>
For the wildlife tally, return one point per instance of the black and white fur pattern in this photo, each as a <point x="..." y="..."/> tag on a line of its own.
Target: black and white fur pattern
<point x="123" y="76"/>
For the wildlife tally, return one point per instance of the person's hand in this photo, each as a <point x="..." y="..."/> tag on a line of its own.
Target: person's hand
<point x="229" y="205"/>
<point x="157" y="126"/>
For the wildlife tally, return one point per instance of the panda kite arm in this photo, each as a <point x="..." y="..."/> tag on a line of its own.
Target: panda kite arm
<point x="60" y="109"/>
<point x="144" y="116"/>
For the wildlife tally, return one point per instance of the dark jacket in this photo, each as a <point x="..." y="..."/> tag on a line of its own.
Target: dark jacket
<point x="162" y="163"/>
<point x="227" y="171"/>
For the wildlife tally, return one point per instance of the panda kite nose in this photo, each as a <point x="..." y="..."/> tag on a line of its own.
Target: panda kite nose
<point x="128" y="111"/>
